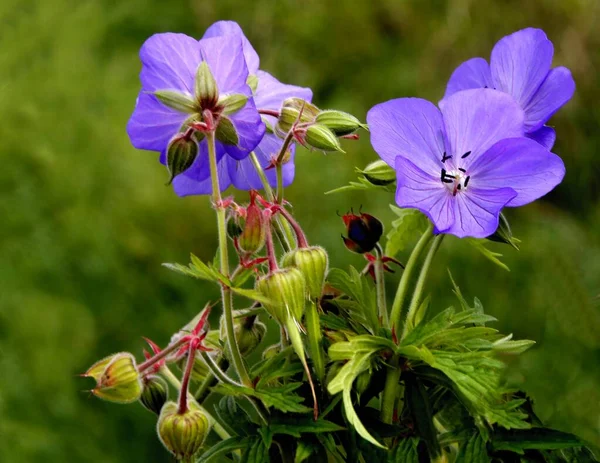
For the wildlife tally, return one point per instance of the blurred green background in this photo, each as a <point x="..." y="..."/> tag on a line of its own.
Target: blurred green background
<point x="86" y="221"/>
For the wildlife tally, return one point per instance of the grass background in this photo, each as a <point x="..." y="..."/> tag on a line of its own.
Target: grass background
<point x="85" y="220"/>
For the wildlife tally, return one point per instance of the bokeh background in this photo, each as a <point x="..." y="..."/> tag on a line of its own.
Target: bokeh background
<point x="86" y="221"/>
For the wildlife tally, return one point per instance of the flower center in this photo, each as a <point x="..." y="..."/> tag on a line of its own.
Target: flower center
<point x="455" y="180"/>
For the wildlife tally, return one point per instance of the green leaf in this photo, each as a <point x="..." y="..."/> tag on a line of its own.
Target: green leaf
<point x="533" y="439"/>
<point x="200" y="270"/>
<point x="417" y="400"/>
<point x="405" y="452"/>
<point x="282" y="398"/>
<point x="256" y="453"/>
<point x="251" y="294"/>
<point x="479" y="244"/>
<point x="365" y="343"/>
<point x="409" y="225"/>
<point x="234" y="417"/>
<point x="296" y="426"/>
<point x="303" y="451"/>
<point x="361" y="184"/>
<point x="223" y="448"/>
<point x="473" y="450"/>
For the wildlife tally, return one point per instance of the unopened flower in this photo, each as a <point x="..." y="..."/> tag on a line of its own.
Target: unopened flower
<point x="117" y="378"/>
<point x="190" y="85"/>
<point x="182" y="433"/>
<point x="364" y="232"/>
<point x="268" y="94"/>
<point x="155" y="394"/>
<point x="286" y="291"/>
<point x="520" y="65"/>
<point x="249" y="331"/>
<point x="460" y="166"/>
<point x="313" y="262"/>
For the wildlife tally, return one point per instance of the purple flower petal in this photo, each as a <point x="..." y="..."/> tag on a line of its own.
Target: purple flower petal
<point x="555" y="91"/>
<point x="152" y="125"/>
<point x="243" y="174"/>
<point x="520" y="164"/>
<point x="196" y="180"/>
<point x="225" y="58"/>
<point x="221" y="28"/>
<point x="419" y="190"/>
<point x="408" y="127"/>
<point x="476" y="119"/>
<point x="270" y="93"/>
<point x="250" y="130"/>
<point x="477" y="211"/>
<point x="169" y="62"/>
<point x="474" y="73"/>
<point x="545" y="136"/>
<point x="520" y="63"/>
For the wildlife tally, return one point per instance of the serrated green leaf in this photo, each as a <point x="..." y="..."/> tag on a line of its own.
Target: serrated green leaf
<point x="473" y="450"/>
<point x="355" y="286"/>
<point x="234" y="417"/>
<point x="303" y="451"/>
<point x="282" y="398"/>
<point x="533" y="439"/>
<point x="479" y="244"/>
<point x="405" y="452"/>
<point x="256" y="453"/>
<point x="223" y="448"/>
<point x="410" y="224"/>
<point x="360" y="344"/>
<point x="295" y="426"/>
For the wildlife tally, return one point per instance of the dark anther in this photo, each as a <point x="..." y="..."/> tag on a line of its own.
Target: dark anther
<point x="461" y="169"/>
<point x="485" y="86"/>
<point x="443" y="174"/>
<point x="458" y="186"/>
<point x="448" y="180"/>
<point x="445" y="157"/>
<point x="467" y="181"/>
<point x="465" y="155"/>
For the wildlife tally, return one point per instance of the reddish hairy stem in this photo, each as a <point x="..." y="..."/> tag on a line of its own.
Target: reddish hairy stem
<point x="301" y="237"/>
<point x="162" y="354"/>
<point x="185" y="382"/>
<point x="269" y="112"/>
<point x="271" y="249"/>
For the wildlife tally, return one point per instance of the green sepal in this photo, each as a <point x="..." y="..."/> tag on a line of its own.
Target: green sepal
<point x="339" y="122"/>
<point x="175" y="100"/>
<point x="232" y="103"/>
<point x="226" y="132"/>
<point x="320" y="137"/>
<point x="205" y="87"/>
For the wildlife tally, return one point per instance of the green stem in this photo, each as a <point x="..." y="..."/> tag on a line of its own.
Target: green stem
<point x="390" y="390"/>
<point x="284" y="233"/>
<point x="220" y="430"/>
<point x="396" y="316"/>
<point x="216" y="370"/>
<point x="418" y="292"/>
<point x="380" y="286"/>
<point x="210" y="380"/>
<point x="279" y="165"/>
<point x="236" y="356"/>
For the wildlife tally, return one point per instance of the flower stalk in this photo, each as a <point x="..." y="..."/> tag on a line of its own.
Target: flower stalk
<point x="380" y="286"/>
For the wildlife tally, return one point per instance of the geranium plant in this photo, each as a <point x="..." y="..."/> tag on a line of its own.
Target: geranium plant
<point x="350" y="378"/>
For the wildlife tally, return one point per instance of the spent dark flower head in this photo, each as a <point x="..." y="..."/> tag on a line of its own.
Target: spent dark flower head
<point x="364" y="232"/>
<point x="462" y="163"/>
<point x="520" y="65"/>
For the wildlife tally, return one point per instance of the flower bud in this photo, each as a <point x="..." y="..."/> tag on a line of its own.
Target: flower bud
<point x="249" y="332"/>
<point x="313" y="263"/>
<point x="234" y="226"/>
<point x="226" y="132"/>
<point x="155" y="393"/>
<point x="503" y="233"/>
<point x="253" y="236"/>
<point x="320" y="137"/>
<point x="182" y="434"/>
<point x="286" y="291"/>
<point x="364" y="231"/>
<point x="205" y="86"/>
<point x="232" y="103"/>
<point x="339" y="122"/>
<point x="294" y="110"/>
<point x="379" y="173"/>
<point x="271" y="351"/>
<point x="117" y="378"/>
<point x="181" y="154"/>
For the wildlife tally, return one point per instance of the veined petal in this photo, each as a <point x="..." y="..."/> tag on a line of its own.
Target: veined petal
<point x="225" y="57"/>
<point x="474" y="73"/>
<point x="476" y="119"/>
<point x="243" y="174"/>
<point x="555" y="91"/>
<point x="250" y="130"/>
<point x="152" y="125"/>
<point x="221" y="28"/>
<point x="420" y="190"/>
<point x="545" y="136"/>
<point x="477" y="211"/>
<point x="196" y="180"/>
<point x="520" y="63"/>
<point x="408" y="127"/>
<point x="520" y="164"/>
<point x="270" y="93"/>
<point x="169" y="62"/>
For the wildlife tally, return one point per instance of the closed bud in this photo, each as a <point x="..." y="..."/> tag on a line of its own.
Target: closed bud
<point x="503" y="233"/>
<point x="249" y="332"/>
<point x="232" y="103"/>
<point x="234" y="226"/>
<point x="181" y="154"/>
<point x="205" y="86"/>
<point x="155" y="393"/>
<point x="254" y="233"/>
<point x="339" y="122"/>
<point x="178" y="101"/>
<point x="182" y="433"/>
<point x="313" y="263"/>
<point x="364" y="231"/>
<point x="271" y="351"/>
<point x="295" y="110"/>
<point x="117" y="378"/>
<point x="379" y="173"/>
<point x="320" y="137"/>
<point x="226" y="132"/>
<point x="286" y="291"/>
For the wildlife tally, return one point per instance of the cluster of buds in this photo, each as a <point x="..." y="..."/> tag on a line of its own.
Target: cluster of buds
<point x="208" y="111"/>
<point x="316" y="128"/>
